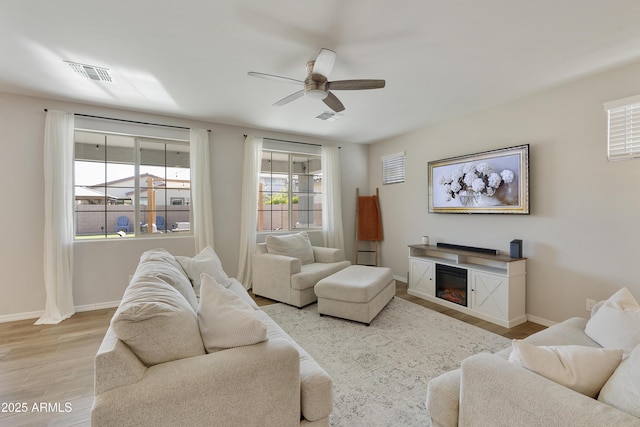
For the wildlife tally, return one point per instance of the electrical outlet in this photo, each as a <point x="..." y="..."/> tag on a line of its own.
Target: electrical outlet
<point x="590" y="304"/>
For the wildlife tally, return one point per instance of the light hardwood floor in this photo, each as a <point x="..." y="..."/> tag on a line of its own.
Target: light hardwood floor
<point x="49" y="368"/>
<point x="49" y="364"/>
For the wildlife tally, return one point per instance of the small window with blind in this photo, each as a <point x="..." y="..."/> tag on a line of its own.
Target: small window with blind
<point x="623" y="128"/>
<point x="393" y="168"/>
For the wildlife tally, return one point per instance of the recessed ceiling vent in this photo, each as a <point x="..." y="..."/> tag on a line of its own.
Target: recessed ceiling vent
<point x="91" y="72"/>
<point x="329" y="116"/>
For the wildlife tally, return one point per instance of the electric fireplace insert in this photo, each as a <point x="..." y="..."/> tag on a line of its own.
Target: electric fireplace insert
<point x="451" y="284"/>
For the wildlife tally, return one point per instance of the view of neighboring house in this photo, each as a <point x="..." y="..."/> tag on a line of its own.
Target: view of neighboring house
<point x="102" y="208"/>
<point x="90" y="196"/>
<point x="173" y="192"/>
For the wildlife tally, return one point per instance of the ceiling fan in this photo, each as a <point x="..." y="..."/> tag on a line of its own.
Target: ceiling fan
<point x="317" y="84"/>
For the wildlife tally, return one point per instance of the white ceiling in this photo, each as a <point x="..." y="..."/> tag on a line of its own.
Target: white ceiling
<point x="190" y="58"/>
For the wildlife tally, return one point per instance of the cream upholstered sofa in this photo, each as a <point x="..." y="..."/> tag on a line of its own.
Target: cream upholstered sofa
<point x="286" y="268"/>
<point x="169" y="358"/>
<point x="511" y="388"/>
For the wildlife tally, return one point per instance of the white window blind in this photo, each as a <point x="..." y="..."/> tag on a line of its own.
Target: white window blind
<point x="623" y="128"/>
<point x="393" y="167"/>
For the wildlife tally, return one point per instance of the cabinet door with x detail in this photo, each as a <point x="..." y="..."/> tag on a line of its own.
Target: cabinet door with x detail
<point x="490" y="294"/>
<point x="422" y="277"/>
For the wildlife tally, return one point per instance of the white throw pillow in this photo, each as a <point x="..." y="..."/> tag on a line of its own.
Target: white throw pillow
<point x="206" y="261"/>
<point x="237" y="288"/>
<point x="294" y="245"/>
<point x="225" y="320"/>
<point x="617" y="323"/>
<point x="157" y="322"/>
<point x="160" y="263"/>
<point x="582" y="369"/>
<point x="623" y="388"/>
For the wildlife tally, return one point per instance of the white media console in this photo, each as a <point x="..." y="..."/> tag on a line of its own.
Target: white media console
<point x="494" y="288"/>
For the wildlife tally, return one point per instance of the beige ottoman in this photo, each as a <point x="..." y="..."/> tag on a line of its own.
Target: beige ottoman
<point x="356" y="293"/>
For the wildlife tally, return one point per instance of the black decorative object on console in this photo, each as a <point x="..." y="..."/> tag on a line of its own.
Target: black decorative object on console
<point x="468" y="248"/>
<point x="516" y="248"/>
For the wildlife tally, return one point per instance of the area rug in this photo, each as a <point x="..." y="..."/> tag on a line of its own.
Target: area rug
<point x="380" y="372"/>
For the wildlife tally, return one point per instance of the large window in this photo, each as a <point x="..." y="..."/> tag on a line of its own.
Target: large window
<point x="290" y="195"/>
<point x="130" y="186"/>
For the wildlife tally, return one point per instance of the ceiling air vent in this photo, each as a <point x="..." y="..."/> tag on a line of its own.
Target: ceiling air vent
<point x="329" y="116"/>
<point x="91" y="72"/>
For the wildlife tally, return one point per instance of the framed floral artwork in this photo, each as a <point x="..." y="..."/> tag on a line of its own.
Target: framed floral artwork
<point x="494" y="181"/>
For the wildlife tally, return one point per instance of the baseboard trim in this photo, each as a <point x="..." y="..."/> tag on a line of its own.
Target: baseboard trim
<point x="21" y="316"/>
<point x="36" y="314"/>
<point x="98" y="306"/>
<point x="400" y="278"/>
<point x="540" y="320"/>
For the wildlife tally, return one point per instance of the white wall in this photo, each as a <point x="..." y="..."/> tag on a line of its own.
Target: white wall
<point x="102" y="268"/>
<point x="580" y="238"/>
<point x="582" y="235"/>
<point x="354" y="174"/>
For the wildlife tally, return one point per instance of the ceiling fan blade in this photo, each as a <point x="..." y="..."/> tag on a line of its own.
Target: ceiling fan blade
<point x="276" y="78"/>
<point x="333" y="102"/>
<point x="288" y="99"/>
<point x="324" y="63"/>
<point x="356" y="84"/>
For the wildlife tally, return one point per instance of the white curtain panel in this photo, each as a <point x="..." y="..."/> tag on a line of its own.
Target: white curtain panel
<point x="58" y="213"/>
<point x="249" y="207"/>
<point x="201" y="204"/>
<point x="331" y="198"/>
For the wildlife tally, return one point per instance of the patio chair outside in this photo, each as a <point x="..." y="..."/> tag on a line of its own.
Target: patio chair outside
<point x="160" y="223"/>
<point x="122" y="223"/>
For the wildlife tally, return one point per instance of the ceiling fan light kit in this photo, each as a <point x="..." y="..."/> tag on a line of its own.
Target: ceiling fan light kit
<point x="316" y="93"/>
<point x="317" y="84"/>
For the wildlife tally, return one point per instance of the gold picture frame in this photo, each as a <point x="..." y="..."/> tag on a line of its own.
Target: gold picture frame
<point x="490" y="182"/>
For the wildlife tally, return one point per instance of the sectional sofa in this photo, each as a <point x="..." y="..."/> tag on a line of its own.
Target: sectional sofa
<point x="188" y="346"/>
<point x="576" y="373"/>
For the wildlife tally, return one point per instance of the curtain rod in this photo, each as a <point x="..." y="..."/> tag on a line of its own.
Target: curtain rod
<point x="131" y="121"/>
<point x="292" y="142"/>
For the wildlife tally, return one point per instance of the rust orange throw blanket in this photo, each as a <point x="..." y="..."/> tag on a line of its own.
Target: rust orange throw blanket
<point x="369" y="224"/>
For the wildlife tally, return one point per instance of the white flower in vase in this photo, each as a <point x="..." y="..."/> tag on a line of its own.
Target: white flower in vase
<point x="469" y="178"/>
<point x="507" y="176"/>
<point x="471" y="181"/>
<point x="484" y="169"/>
<point x="494" y="180"/>
<point x="478" y="185"/>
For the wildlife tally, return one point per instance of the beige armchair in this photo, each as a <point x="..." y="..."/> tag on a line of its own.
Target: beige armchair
<point x="290" y="279"/>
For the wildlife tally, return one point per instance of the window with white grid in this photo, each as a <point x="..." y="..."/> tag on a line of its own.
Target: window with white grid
<point x="130" y="186"/>
<point x="290" y="192"/>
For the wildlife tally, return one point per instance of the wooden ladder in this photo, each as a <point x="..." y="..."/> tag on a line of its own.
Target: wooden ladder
<point x="372" y="245"/>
